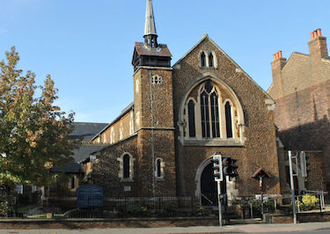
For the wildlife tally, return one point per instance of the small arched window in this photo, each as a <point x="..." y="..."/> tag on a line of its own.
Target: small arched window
<point x="126" y="166"/>
<point x="211" y="62"/>
<point x="203" y="59"/>
<point x="159" y="169"/>
<point x="191" y="118"/>
<point x="229" y="127"/>
<point x="73" y="182"/>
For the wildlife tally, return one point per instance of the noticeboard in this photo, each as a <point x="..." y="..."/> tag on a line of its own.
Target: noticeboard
<point x="89" y="196"/>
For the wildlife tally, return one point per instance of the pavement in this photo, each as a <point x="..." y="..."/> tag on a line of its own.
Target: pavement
<point x="246" y="228"/>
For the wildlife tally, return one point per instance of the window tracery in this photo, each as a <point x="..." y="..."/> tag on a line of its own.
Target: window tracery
<point x="212" y="115"/>
<point x="156" y="80"/>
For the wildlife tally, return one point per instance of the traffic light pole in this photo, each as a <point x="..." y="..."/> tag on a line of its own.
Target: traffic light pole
<point x="219" y="203"/>
<point x="218" y="177"/>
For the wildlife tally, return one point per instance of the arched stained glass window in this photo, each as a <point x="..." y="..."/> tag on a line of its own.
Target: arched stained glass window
<point x="215" y="115"/>
<point x="229" y="127"/>
<point x="209" y="102"/>
<point x="191" y="118"/>
<point x="205" y="115"/>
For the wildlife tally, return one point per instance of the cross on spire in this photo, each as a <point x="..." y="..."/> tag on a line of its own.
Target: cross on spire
<point x="150" y="34"/>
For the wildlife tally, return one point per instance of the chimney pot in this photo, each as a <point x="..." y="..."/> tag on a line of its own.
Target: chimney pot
<point x="278" y="55"/>
<point x="317" y="45"/>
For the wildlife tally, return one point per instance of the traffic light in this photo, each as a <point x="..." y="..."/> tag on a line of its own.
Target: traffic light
<point x="217" y="167"/>
<point x="229" y="169"/>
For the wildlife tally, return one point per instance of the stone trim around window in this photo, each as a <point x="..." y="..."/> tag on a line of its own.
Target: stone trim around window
<point x="130" y="169"/>
<point x="225" y="95"/>
<point x="207" y="59"/>
<point x="156" y="80"/>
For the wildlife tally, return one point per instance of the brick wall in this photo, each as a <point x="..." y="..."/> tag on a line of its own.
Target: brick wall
<point x="118" y="130"/>
<point x="106" y="171"/>
<point x="301" y="91"/>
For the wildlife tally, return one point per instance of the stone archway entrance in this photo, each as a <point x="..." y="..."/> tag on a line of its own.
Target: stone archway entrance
<point x="207" y="186"/>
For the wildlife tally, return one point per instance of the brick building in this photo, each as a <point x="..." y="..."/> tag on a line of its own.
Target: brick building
<point x="163" y="142"/>
<point x="301" y="90"/>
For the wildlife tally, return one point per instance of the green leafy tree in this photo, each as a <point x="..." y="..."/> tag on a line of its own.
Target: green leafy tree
<point x="34" y="133"/>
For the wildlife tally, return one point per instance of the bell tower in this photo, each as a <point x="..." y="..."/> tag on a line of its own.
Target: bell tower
<point x="153" y="107"/>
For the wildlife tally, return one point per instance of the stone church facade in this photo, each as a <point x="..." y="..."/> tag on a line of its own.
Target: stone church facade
<point x="162" y="143"/>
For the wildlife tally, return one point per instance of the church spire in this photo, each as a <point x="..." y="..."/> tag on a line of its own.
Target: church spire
<point x="150" y="34"/>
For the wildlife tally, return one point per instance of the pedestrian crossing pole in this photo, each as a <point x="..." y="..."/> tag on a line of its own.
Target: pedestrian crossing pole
<point x="292" y="189"/>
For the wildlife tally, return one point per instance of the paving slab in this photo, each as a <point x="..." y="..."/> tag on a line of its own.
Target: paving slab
<point x="249" y="228"/>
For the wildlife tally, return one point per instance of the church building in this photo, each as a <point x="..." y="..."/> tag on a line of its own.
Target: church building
<point x="162" y="143"/>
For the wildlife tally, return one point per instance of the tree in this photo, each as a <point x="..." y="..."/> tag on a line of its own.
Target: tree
<point x="34" y="133"/>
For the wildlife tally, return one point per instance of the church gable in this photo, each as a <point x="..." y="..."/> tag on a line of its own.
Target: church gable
<point x="236" y="95"/>
<point x="207" y="57"/>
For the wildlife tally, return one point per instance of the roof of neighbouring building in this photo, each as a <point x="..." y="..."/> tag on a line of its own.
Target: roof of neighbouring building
<point x="84" y="151"/>
<point x="79" y="155"/>
<point x="84" y="131"/>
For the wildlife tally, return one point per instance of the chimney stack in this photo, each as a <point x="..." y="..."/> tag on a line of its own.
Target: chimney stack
<point x="318" y="45"/>
<point x="279" y="62"/>
<point x="277" y="66"/>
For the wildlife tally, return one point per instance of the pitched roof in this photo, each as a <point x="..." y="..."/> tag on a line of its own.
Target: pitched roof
<point x="124" y="112"/>
<point x="85" y="150"/>
<point x="79" y="155"/>
<point x="86" y="131"/>
<point x="161" y="50"/>
<point x="70" y="167"/>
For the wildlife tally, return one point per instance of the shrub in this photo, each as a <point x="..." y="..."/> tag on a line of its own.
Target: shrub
<point x="310" y="201"/>
<point x="3" y="209"/>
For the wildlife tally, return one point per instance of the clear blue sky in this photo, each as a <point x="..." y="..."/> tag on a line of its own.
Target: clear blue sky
<point x="87" y="45"/>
